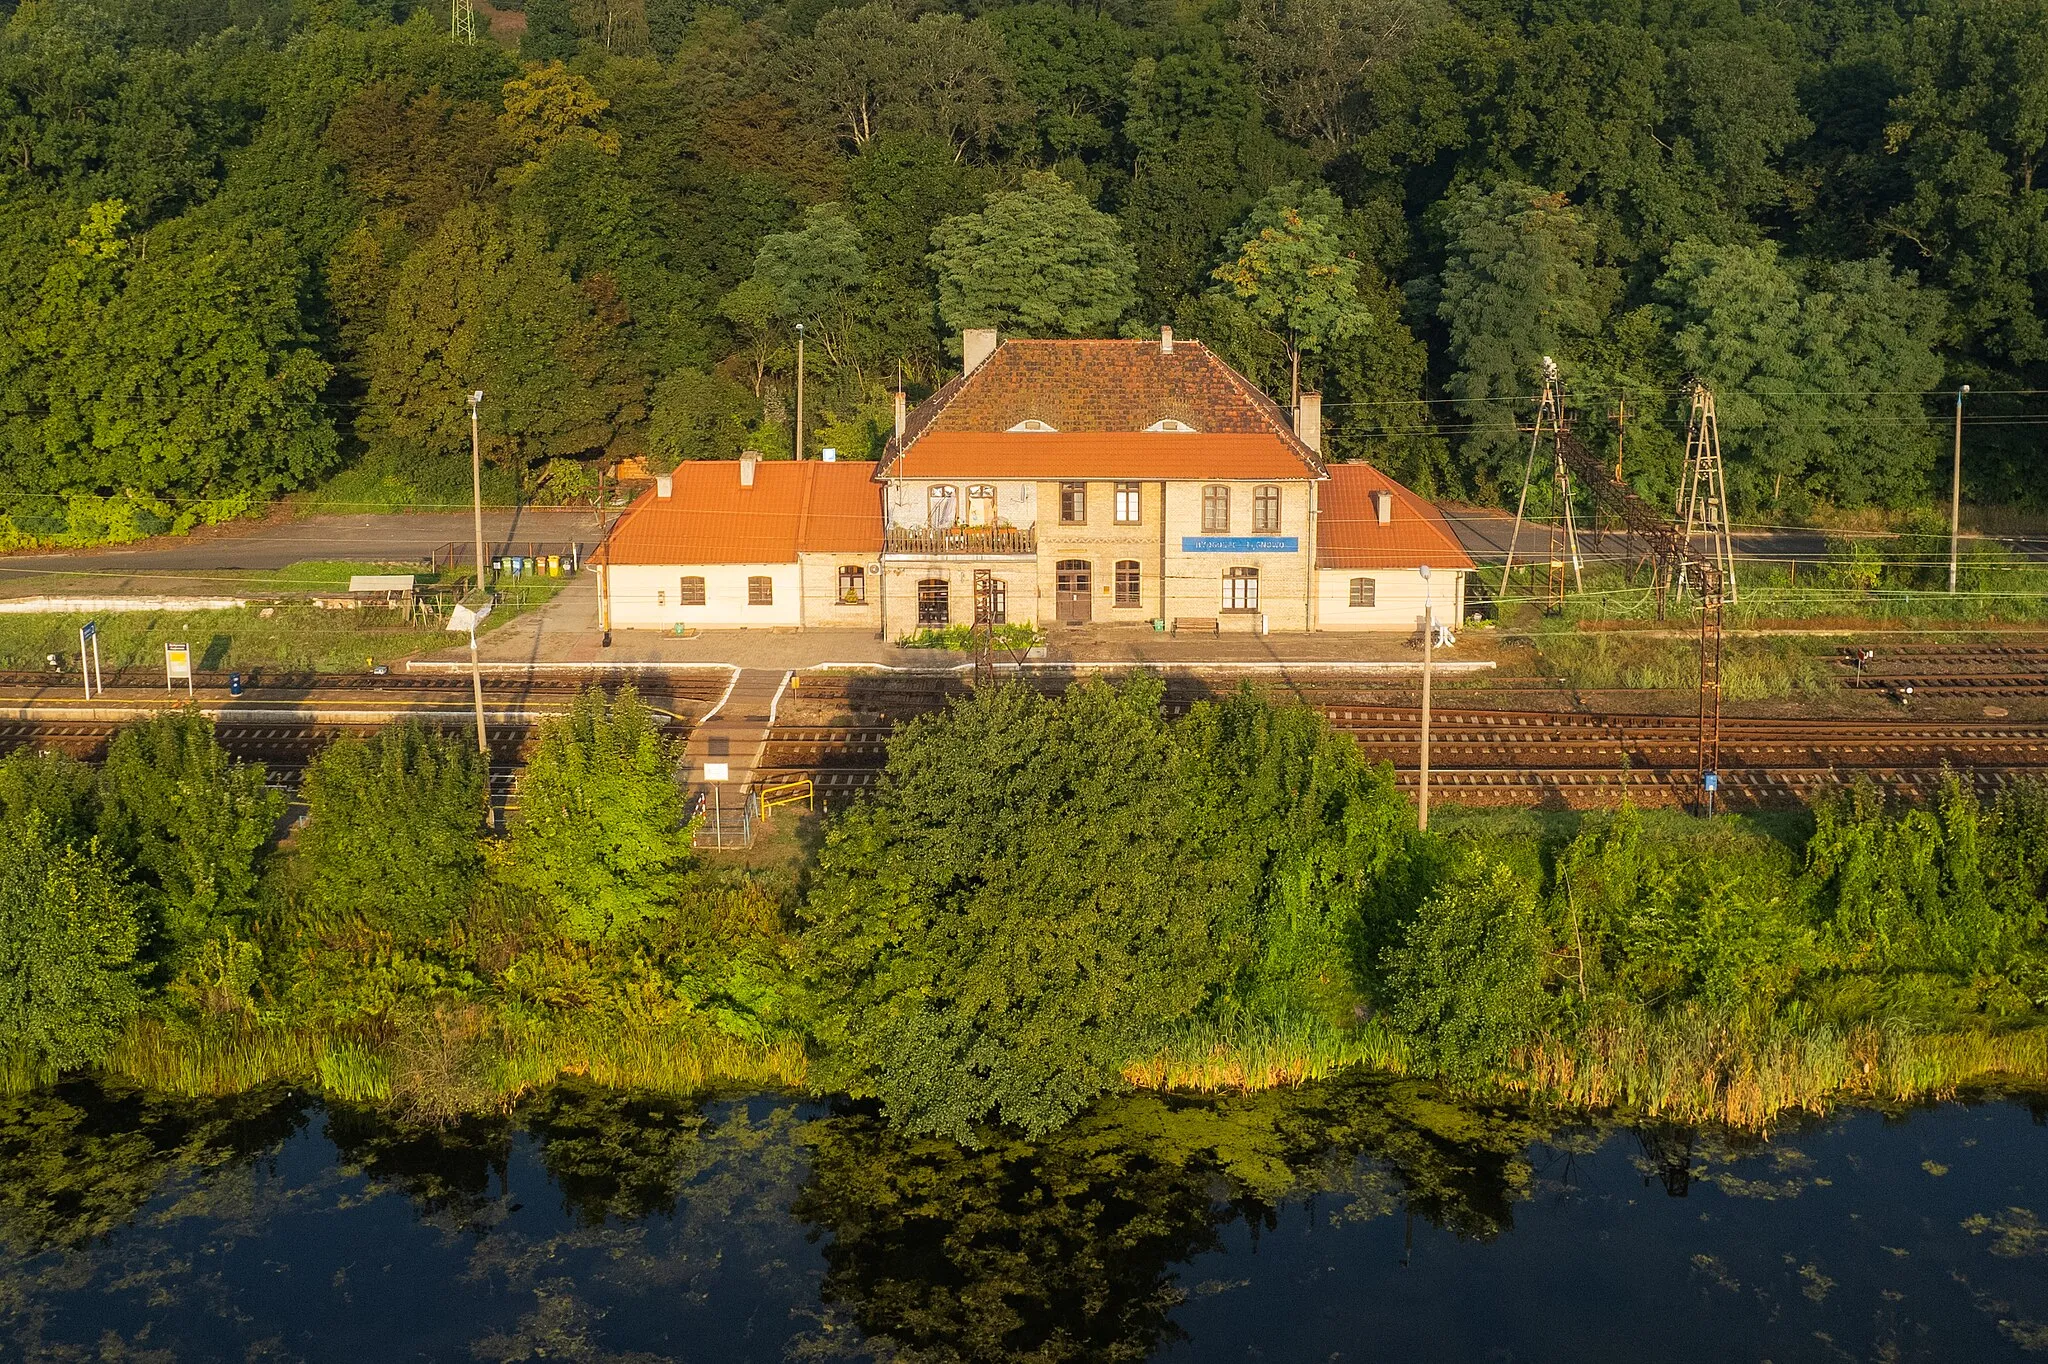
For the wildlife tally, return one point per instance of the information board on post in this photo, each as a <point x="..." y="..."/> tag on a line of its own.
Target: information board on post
<point x="89" y="658"/>
<point x="177" y="665"/>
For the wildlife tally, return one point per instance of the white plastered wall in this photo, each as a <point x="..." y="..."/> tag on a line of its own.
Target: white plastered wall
<point x="649" y="596"/>
<point x="1398" y="599"/>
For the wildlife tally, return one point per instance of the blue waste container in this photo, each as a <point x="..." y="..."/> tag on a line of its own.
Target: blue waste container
<point x="234" y="684"/>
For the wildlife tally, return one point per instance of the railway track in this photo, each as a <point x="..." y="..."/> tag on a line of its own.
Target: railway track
<point x="1980" y="670"/>
<point x="1512" y="757"/>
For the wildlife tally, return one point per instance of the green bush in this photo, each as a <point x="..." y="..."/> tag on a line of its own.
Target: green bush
<point x="1466" y="982"/>
<point x="601" y="833"/>
<point x="195" y="824"/>
<point x="396" y="827"/>
<point x="69" y="932"/>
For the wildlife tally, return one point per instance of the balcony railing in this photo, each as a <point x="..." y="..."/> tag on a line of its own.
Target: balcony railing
<point x="962" y="540"/>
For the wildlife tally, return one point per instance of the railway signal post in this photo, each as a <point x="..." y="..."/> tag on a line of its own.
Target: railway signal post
<point x="1428" y="646"/>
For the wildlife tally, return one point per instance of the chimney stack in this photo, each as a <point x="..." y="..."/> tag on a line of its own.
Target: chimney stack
<point x="1382" y="505"/>
<point x="902" y="415"/>
<point x="1166" y="340"/>
<point x="664" y="485"/>
<point x="1308" y="421"/>
<point x="976" y="345"/>
<point x="749" y="459"/>
<point x="831" y="454"/>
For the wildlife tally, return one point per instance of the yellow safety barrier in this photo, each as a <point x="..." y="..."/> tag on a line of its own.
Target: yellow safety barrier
<point x="789" y="793"/>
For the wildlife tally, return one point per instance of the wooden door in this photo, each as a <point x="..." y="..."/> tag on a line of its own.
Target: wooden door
<point x="1076" y="601"/>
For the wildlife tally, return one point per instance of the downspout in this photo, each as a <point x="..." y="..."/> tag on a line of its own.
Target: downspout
<point x="1162" y="551"/>
<point x="1310" y="596"/>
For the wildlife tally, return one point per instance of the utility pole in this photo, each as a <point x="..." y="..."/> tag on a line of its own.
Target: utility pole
<point x="1546" y="406"/>
<point x="1428" y="646"/>
<point x="476" y="492"/>
<point x="1703" y="492"/>
<point x="799" y="390"/>
<point x="1955" y="493"/>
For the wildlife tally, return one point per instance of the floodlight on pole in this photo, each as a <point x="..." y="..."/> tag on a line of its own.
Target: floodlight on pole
<point x="1955" y="492"/>
<point x="1428" y="643"/>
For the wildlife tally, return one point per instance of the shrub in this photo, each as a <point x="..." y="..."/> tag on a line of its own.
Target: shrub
<point x="194" y="822"/>
<point x="601" y="832"/>
<point x="1465" y="983"/>
<point x="69" y="930"/>
<point x="396" y="827"/>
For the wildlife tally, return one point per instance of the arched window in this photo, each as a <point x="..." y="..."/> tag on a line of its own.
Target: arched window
<point x="1215" y="509"/>
<point x="934" y="603"/>
<point x="943" y="502"/>
<point x="1266" y="508"/>
<point x="981" y="504"/>
<point x="1241" y="589"/>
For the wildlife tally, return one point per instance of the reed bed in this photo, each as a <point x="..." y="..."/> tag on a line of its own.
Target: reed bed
<point x="678" y="1061"/>
<point x="1706" y="1070"/>
<point x="1241" y="1060"/>
<point x="212" y="1062"/>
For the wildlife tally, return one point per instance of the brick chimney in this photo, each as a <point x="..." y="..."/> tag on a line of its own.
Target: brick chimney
<point x="1166" y="340"/>
<point x="749" y="460"/>
<point x="976" y="345"/>
<point x="902" y="415"/>
<point x="1382" y="505"/>
<point x="664" y="485"/>
<point x="1308" y="421"/>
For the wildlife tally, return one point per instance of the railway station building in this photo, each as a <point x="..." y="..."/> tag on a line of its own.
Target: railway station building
<point x="1142" y="483"/>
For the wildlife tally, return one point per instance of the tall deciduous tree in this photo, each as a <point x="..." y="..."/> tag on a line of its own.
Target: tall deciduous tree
<point x="1292" y="274"/>
<point x="1315" y="59"/>
<point x="1036" y="261"/>
<point x="816" y="272"/>
<point x="867" y="70"/>
<point x="1514" y="289"/>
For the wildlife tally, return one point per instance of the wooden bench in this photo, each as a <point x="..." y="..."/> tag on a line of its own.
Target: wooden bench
<point x="1197" y="625"/>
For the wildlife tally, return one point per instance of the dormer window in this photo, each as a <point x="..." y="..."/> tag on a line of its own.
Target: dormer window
<point x="1032" y="424"/>
<point x="1169" y="424"/>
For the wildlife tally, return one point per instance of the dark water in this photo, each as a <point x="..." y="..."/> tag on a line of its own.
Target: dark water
<point x="1351" y="1221"/>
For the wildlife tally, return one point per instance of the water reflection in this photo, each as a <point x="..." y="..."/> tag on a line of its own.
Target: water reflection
<point x="1363" y="1219"/>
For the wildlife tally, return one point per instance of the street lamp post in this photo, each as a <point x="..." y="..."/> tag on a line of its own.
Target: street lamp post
<point x="799" y="390"/>
<point x="1428" y="650"/>
<point x="471" y="617"/>
<point x="1955" y="492"/>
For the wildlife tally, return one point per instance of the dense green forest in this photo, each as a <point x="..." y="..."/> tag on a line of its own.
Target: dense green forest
<point x="1046" y="900"/>
<point x="250" y="246"/>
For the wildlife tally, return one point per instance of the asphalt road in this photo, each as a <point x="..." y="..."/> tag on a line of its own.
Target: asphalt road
<point x="278" y="543"/>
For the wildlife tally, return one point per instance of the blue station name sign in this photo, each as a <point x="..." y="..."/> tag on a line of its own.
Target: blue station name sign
<point x="1240" y="544"/>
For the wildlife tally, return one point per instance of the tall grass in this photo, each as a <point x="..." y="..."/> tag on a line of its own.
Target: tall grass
<point x="1264" y="1056"/>
<point x="212" y="1061"/>
<point x="1697" y="1068"/>
<point x="1754" y="669"/>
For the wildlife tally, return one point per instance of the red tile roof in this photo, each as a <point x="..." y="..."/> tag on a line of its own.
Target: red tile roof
<point x="708" y="518"/>
<point x="1104" y="387"/>
<point x="1100" y="454"/>
<point x="1349" y="533"/>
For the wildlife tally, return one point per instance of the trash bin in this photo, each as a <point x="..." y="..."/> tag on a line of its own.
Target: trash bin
<point x="234" y="684"/>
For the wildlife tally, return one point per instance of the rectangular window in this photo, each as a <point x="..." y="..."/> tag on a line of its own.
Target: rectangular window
<point x="1364" y="592"/>
<point x="692" y="592"/>
<point x="1127" y="504"/>
<point x="1215" y="510"/>
<point x="1128" y="580"/>
<point x="1266" y="508"/>
<point x="853" y="585"/>
<point x="1241" y="589"/>
<point x="1073" y="504"/>
<point x="760" y="591"/>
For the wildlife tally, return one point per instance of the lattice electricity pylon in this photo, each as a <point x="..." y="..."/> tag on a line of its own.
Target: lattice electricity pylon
<point x="984" y="627"/>
<point x="462" y="21"/>
<point x="1564" y="533"/>
<point x="1705" y="579"/>
<point x="1703" y="491"/>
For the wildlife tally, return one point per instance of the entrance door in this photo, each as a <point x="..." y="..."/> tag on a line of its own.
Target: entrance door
<point x="1076" y="603"/>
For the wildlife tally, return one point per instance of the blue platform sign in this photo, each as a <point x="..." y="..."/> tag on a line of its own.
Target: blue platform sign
<point x="1239" y="544"/>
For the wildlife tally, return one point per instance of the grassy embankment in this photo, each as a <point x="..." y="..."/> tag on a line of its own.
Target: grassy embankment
<point x="293" y="635"/>
<point x="1049" y="900"/>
